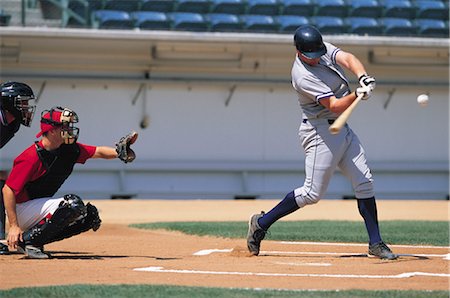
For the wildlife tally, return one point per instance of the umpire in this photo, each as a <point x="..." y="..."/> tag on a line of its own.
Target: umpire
<point x="17" y="106"/>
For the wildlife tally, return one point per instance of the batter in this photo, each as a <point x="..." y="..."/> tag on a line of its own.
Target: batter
<point x="323" y="92"/>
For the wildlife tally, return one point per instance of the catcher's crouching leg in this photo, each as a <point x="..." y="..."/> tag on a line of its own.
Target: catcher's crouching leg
<point x="90" y="221"/>
<point x="70" y="210"/>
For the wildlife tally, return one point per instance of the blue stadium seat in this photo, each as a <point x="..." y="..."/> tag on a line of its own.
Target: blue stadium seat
<point x="112" y="19"/>
<point x="398" y="9"/>
<point x="263" y="7"/>
<point x="228" y="6"/>
<point x="188" y="21"/>
<point x="329" y="24"/>
<point x="195" y="6"/>
<point x="297" y="7"/>
<point x="151" y="20"/>
<point x="223" y="22"/>
<point x="364" y="8"/>
<point x="84" y="10"/>
<point x="259" y="23"/>
<point x="288" y="24"/>
<point x="332" y="8"/>
<point x="398" y="27"/>
<point x="158" y="5"/>
<point x="363" y="26"/>
<point x="431" y="10"/>
<point x="5" y="18"/>
<point x="432" y="28"/>
<point x="122" y="5"/>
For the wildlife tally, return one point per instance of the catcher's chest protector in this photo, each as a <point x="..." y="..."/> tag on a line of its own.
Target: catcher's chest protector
<point x="59" y="164"/>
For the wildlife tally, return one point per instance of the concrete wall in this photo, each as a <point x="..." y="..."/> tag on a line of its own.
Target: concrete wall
<point x="226" y="125"/>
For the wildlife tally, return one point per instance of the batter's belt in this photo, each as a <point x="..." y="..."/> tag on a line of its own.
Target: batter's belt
<point x="312" y="121"/>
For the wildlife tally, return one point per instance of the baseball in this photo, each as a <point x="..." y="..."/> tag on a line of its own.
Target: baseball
<point x="422" y="99"/>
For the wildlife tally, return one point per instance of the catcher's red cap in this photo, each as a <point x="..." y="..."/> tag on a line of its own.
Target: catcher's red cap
<point x="50" y="123"/>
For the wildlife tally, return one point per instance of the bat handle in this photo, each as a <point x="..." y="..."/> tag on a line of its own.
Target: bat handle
<point x="337" y="125"/>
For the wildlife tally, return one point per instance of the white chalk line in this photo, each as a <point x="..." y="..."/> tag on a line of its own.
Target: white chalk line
<point x="365" y="276"/>
<point x="205" y="252"/>
<point x="356" y="244"/>
<point x="303" y="264"/>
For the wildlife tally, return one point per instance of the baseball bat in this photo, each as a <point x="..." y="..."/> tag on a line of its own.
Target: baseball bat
<point x="336" y="127"/>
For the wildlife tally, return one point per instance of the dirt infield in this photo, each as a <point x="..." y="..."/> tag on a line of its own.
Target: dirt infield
<point x="117" y="254"/>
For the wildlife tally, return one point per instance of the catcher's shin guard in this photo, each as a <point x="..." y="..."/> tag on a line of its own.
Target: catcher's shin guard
<point x="68" y="212"/>
<point x="90" y="221"/>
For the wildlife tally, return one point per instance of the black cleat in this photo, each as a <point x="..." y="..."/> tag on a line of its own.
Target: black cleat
<point x="4" y="249"/>
<point x="32" y="252"/>
<point x="255" y="234"/>
<point x="382" y="251"/>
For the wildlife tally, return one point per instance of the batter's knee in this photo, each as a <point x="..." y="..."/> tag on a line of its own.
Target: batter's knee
<point x="306" y="198"/>
<point x="364" y="190"/>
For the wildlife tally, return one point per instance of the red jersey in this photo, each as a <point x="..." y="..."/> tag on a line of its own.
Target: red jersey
<point x="28" y="167"/>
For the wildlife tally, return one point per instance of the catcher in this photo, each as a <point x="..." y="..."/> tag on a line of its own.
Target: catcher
<point x="35" y="217"/>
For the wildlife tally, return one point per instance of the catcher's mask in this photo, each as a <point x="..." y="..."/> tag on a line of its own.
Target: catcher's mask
<point x="19" y="100"/>
<point x="60" y="117"/>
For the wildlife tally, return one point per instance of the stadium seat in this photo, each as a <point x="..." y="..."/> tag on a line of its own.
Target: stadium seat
<point x="112" y="19"/>
<point x="329" y="24"/>
<point x="363" y="26"/>
<point x="431" y="10"/>
<point x="236" y="7"/>
<point x="398" y="9"/>
<point x="188" y="21"/>
<point x="297" y="7"/>
<point x="83" y="9"/>
<point x="263" y="7"/>
<point x="288" y="24"/>
<point x="223" y="22"/>
<point x="122" y="5"/>
<point x="398" y="27"/>
<point x="158" y="5"/>
<point x="5" y="18"/>
<point x="151" y="20"/>
<point x="364" y="8"/>
<point x="194" y="6"/>
<point x="332" y="8"/>
<point x="259" y="23"/>
<point x="432" y="28"/>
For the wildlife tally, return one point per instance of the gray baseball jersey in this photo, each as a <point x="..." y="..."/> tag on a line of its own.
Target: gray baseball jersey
<point x="325" y="152"/>
<point x="323" y="80"/>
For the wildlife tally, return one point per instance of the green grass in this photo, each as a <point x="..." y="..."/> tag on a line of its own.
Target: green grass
<point x="394" y="232"/>
<point x="163" y="291"/>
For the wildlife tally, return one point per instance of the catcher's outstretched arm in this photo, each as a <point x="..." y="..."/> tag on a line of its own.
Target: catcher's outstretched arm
<point x="105" y="152"/>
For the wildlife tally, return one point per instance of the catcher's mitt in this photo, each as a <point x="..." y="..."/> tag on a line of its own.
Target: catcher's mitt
<point x="124" y="152"/>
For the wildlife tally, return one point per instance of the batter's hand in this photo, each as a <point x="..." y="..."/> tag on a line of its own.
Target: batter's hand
<point x="366" y="80"/>
<point x="366" y="92"/>
<point x="124" y="152"/>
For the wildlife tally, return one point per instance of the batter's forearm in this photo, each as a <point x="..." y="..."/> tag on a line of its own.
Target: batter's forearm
<point x="351" y="62"/>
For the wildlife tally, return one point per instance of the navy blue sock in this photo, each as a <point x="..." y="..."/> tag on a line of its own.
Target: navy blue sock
<point x="368" y="210"/>
<point x="285" y="207"/>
